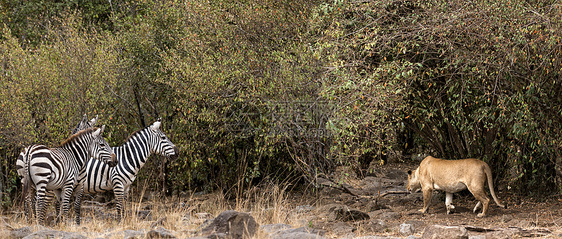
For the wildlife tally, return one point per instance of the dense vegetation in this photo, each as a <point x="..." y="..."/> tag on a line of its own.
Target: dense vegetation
<point x="278" y="90"/>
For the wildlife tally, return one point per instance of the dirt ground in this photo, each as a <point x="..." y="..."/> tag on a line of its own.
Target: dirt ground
<point x="524" y="216"/>
<point x="529" y="217"/>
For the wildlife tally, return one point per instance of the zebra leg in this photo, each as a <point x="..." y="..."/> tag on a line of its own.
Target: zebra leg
<point x="49" y="196"/>
<point x="120" y="197"/>
<point x="65" y="198"/>
<point x="40" y="204"/>
<point x="78" y="203"/>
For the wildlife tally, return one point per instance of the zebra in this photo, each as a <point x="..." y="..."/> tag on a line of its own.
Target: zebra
<point x="20" y="163"/>
<point x="58" y="168"/>
<point x="131" y="157"/>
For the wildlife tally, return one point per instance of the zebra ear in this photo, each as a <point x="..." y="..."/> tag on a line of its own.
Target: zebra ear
<point x="99" y="131"/>
<point x="94" y="121"/>
<point x="85" y="118"/>
<point x="156" y="125"/>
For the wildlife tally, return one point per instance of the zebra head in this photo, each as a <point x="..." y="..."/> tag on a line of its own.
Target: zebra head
<point x="85" y="124"/>
<point x="160" y="143"/>
<point x="99" y="148"/>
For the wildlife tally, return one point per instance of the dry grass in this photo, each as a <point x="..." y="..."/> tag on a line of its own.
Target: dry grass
<point x="268" y="204"/>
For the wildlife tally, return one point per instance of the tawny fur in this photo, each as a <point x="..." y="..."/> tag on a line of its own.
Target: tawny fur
<point x="453" y="176"/>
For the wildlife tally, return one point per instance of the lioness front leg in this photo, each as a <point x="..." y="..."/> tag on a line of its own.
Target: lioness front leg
<point x="448" y="201"/>
<point x="427" y="195"/>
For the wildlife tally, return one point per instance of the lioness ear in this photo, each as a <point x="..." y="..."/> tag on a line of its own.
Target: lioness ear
<point x="409" y="172"/>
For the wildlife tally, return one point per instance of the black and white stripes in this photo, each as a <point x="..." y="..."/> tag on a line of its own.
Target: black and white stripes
<point x="131" y="156"/>
<point x="57" y="169"/>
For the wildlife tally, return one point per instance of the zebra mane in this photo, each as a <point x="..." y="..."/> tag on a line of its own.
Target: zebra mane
<point x="78" y="135"/>
<point x="135" y="133"/>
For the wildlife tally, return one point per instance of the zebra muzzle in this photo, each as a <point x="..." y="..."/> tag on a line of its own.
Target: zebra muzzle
<point x="113" y="160"/>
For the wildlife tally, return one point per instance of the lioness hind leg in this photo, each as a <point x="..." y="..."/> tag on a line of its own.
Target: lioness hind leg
<point x="448" y="201"/>
<point x="478" y="205"/>
<point x="481" y="196"/>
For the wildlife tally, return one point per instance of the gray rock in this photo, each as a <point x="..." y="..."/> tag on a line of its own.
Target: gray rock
<point x="445" y="232"/>
<point x="385" y="214"/>
<point x="20" y="232"/>
<point x="232" y="223"/>
<point x="296" y="235"/>
<point x="407" y="229"/>
<point x="159" y="232"/>
<point x="126" y="234"/>
<point x="304" y="208"/>
<point x="301" y="232"/>
<point x="273" y="228"/>
<point x="477" y="237"/>
<point x="130" y="234"/>
<point x="54" y="234"/>
<point x="375" y="237"/>
<point x="376" y="225"/>
<point x="342" y="229"/>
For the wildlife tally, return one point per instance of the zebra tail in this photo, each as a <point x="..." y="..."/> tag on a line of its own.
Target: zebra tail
<point x="26" y="178"/>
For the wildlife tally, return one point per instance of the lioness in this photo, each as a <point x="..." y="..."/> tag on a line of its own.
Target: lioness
<point x="453" y="176"/>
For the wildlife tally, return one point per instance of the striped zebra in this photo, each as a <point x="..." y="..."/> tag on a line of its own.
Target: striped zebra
<point x="57" y="169"/>
<point x="131" y="156"/>
<point x="20" y="162"/>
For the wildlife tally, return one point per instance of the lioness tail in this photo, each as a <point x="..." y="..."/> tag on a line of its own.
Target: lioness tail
<point x="491" y="185"/>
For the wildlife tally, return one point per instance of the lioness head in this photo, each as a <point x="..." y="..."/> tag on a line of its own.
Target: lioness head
<point x="413" y="181"/>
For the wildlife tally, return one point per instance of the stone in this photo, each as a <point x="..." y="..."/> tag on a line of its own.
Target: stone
<point x="54" y="234"/>
<point x="407" y="229"/>
<point x="273" y="228"/>
<point x="159" y="232"/>
<point x="376" y="225"/>
<point x="232" y="223"/>
<point x="300" y="233"/>
<point x="20" y="232"/>
<point x="444" y="232"/>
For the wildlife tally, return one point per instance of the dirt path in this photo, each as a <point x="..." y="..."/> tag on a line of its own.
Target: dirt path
<point x="524" y="217"/>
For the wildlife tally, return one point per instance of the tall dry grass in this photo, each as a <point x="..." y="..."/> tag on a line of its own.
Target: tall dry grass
<point x="183" y="216"/>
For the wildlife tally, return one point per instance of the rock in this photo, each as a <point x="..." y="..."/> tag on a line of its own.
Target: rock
<point x="297" y="235"/>
<point x="300" y="233"/>
<point x="506" y="218"/>
<point x="374" y="205"/>
<point x="374" y="237"/>
<point x="407" y="229"/>
<point x="273" y="228"/>
<point x="342" y="229"/>
<point x="417" y="225"/>
<point x="20" y="232"/>
<point x="339" y="212"/>
<point x="385" y="214"/>
<point x="159" y="222"/>
<point x="445" y="232"/>
<point x="130" y="234"/>
<point x="376" y="225"/>
<point x="159" y="232"/>
<point x="478" y="237"/>
<point x="232" y="223"/>
<point x="304" y="209"/>
<point x="126" y="234"/>
<point x="54" y="234"/>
